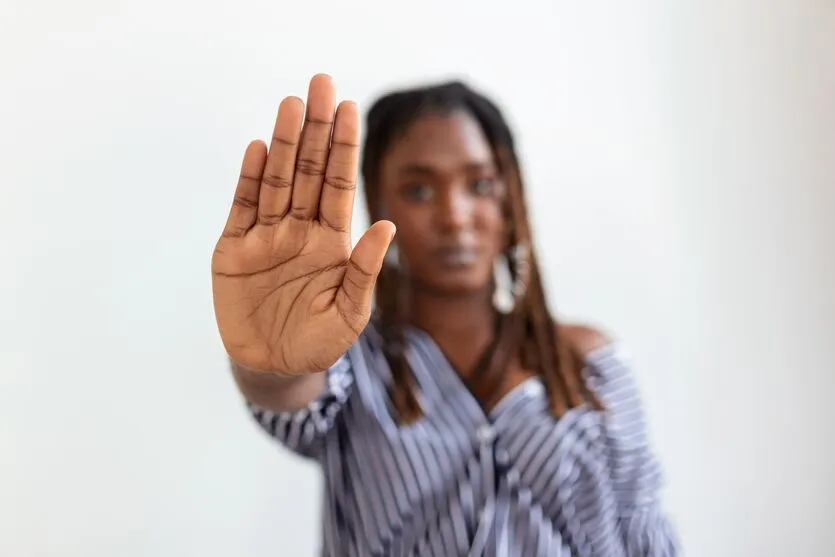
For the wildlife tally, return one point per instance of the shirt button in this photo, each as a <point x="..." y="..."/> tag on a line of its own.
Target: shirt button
<point x="486" y="434"/>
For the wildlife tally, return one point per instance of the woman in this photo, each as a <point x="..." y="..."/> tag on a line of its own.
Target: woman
<point x="460" y="420"/>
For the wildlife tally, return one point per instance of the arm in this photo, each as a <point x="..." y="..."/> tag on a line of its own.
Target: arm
<point x="275" y="392"/>
<point x="289" y="292"/>
<point x="635" y="472"/>
<point x="299" y="412"/>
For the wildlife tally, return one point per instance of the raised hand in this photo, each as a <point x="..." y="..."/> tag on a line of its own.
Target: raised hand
<point x="290" y="295"/>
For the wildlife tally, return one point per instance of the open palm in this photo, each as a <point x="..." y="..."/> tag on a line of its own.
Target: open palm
<point x="290" y="294"/>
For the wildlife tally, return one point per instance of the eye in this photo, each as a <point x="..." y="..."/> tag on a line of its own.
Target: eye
<point x="418" y="193"/>
<point x="485" y="187"/>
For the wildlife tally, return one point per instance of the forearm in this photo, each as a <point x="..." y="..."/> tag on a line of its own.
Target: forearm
<point x="278" y="393"/>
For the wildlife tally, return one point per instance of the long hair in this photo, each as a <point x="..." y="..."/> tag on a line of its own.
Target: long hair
<point x="528" y="332"/>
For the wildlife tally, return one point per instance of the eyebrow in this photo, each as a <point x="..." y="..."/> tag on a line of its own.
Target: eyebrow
<point x="424" y="169"/>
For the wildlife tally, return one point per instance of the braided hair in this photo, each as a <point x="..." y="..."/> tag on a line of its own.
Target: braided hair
<point x="528" y="331"/>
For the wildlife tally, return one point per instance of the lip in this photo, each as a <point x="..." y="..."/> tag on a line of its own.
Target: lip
<point x="457" y="256"/>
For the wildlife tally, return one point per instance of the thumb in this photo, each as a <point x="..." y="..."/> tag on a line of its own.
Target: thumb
<point x="354" y="296"/>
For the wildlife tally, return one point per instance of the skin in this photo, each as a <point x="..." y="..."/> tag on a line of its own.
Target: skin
<point x="441" y="188"/>
<point x="291" y="296"/>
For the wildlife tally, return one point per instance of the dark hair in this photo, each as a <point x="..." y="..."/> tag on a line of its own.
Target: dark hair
<point x="528" y="330"/>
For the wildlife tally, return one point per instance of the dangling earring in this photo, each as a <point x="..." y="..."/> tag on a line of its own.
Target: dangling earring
<point x="521" y="262"/>
<point x="508" y="291"/>
<point x="503" y="298"/>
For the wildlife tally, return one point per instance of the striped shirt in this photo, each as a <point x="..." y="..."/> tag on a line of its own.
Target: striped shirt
<point x="461" y="481"/>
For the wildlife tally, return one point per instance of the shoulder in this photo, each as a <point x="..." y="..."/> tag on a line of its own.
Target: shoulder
<point x="606" y="370"/>
<point x="583" y="339"/>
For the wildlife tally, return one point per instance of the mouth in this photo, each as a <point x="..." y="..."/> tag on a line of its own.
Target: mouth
<point x="457" y="256"/>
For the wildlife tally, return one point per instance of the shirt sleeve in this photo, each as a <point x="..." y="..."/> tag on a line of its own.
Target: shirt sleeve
<point x="635" y="471"/>
<point x="304" y="431"/>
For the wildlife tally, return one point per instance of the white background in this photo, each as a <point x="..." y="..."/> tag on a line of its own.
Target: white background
<point x="681" y="162"/>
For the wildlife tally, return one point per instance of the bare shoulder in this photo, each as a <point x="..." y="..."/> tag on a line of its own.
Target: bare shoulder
<point x="583" y="338"/>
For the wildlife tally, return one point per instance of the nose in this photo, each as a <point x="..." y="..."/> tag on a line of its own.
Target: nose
<point x="455" y="209"/>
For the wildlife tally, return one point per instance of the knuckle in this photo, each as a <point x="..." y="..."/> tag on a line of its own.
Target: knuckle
<point x="276" y="181"/>
<point x="318" y="122"/>
<point x="300" y="213"/>
<point x="354" y="317"/>
<point x="353" y="282"/>
<point x="360" y="270"/>
<point x="337" y="226"/>
<point x="249" y="178"/>
<point x="244" y="203"/>
<point x="345" y="144"/>
<point x="311" y="165"/>
<point x="270" y="218"/>
<point x="284" y="141"/>
<point x="340" y="183"/>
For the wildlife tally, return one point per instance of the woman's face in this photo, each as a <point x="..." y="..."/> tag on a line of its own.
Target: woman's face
<point x="441" y="187"/>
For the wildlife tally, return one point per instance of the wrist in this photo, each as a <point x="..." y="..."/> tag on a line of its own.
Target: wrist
<point x="269" y="375"/>
<point x="277" y="391"/>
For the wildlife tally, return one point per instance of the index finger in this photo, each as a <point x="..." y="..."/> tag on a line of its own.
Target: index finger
<point x="336" y="204"/>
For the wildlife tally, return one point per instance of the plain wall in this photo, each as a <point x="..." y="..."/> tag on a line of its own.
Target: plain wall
<point x="680" y="162"/>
